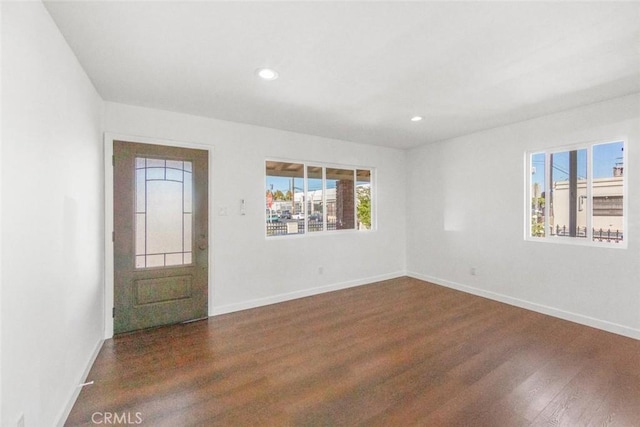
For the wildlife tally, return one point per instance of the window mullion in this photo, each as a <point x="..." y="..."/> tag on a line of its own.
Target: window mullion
<point x="324" y="199"/>
<point x="547" y="194"/>
<point x="589" y="221"/>
<point x="305" y="198"/>
<point x="355" y="199"/>
<point x="573" y="193"/>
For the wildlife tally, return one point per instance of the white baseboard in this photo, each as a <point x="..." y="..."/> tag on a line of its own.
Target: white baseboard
<point x="539" y="308"/>
<point x="260" y="302"/>
<point x="76" y="392"/>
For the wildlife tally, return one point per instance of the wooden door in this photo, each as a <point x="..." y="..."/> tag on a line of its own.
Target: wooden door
<point x="161" y="235"/>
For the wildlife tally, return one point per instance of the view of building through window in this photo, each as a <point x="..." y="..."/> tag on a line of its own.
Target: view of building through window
<point x="331" y="198"/>
<point x="578" y="193"/>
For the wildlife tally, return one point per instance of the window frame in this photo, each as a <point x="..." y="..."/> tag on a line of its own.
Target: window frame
<point x="324" y="166"/>
<point x="589" y="204"/>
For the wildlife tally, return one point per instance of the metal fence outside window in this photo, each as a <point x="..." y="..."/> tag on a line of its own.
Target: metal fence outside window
<point x="279" y="228"/>
<point x="598" y="235"/>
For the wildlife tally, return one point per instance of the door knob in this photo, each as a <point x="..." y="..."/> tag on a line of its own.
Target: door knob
<point x="203" y="242"/>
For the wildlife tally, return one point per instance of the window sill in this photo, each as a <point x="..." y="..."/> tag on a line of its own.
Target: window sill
<point x="318" y="234"/>
<point x="574" y="241"/>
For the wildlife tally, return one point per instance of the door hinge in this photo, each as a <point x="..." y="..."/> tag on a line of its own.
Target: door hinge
<point x="113" y="312"/>
<point x="113" y="236"/>
<point x="113" y="160"/>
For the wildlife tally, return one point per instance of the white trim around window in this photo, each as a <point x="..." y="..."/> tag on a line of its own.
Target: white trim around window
<point x="313" y="198"/>
<point x="577" y="194"/>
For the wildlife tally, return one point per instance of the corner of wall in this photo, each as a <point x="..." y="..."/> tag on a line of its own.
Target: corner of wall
<point x="64" y="413"/>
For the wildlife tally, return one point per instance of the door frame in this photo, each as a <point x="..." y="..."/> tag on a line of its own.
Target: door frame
<point x="109" y="137"/>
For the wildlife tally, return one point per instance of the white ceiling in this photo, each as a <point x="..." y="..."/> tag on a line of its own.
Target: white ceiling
<point x="358" y="71"/>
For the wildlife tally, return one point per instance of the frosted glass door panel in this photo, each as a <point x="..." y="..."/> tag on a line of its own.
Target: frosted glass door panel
<point x="163" y="212"/>
<point x="164" y="217"/>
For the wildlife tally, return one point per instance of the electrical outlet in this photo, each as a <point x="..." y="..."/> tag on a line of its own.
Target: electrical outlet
<point x="321" y="270"/>
<point x="20" y="421"/>
<point x="473" y="271"/>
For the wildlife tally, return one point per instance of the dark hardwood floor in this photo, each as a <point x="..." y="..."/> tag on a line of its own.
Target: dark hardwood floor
<point x="396" y="353"/>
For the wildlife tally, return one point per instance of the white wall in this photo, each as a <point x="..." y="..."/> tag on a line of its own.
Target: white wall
<point x="466" y="208"/>
<point x="1" y="157"/>
<point x="52" y="214"/>
<point x="248" y="268"/>
<point x="464" y="200"/>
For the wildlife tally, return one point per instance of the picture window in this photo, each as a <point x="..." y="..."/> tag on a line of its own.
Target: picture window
<point x="311" y="198"/>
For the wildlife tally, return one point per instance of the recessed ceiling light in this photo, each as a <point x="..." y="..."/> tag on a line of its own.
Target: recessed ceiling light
<point x="267" y="73"/>
<point x="416" y="118"/>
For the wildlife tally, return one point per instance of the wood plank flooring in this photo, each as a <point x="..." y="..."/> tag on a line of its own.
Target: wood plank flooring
<point x="401" y="352"/>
